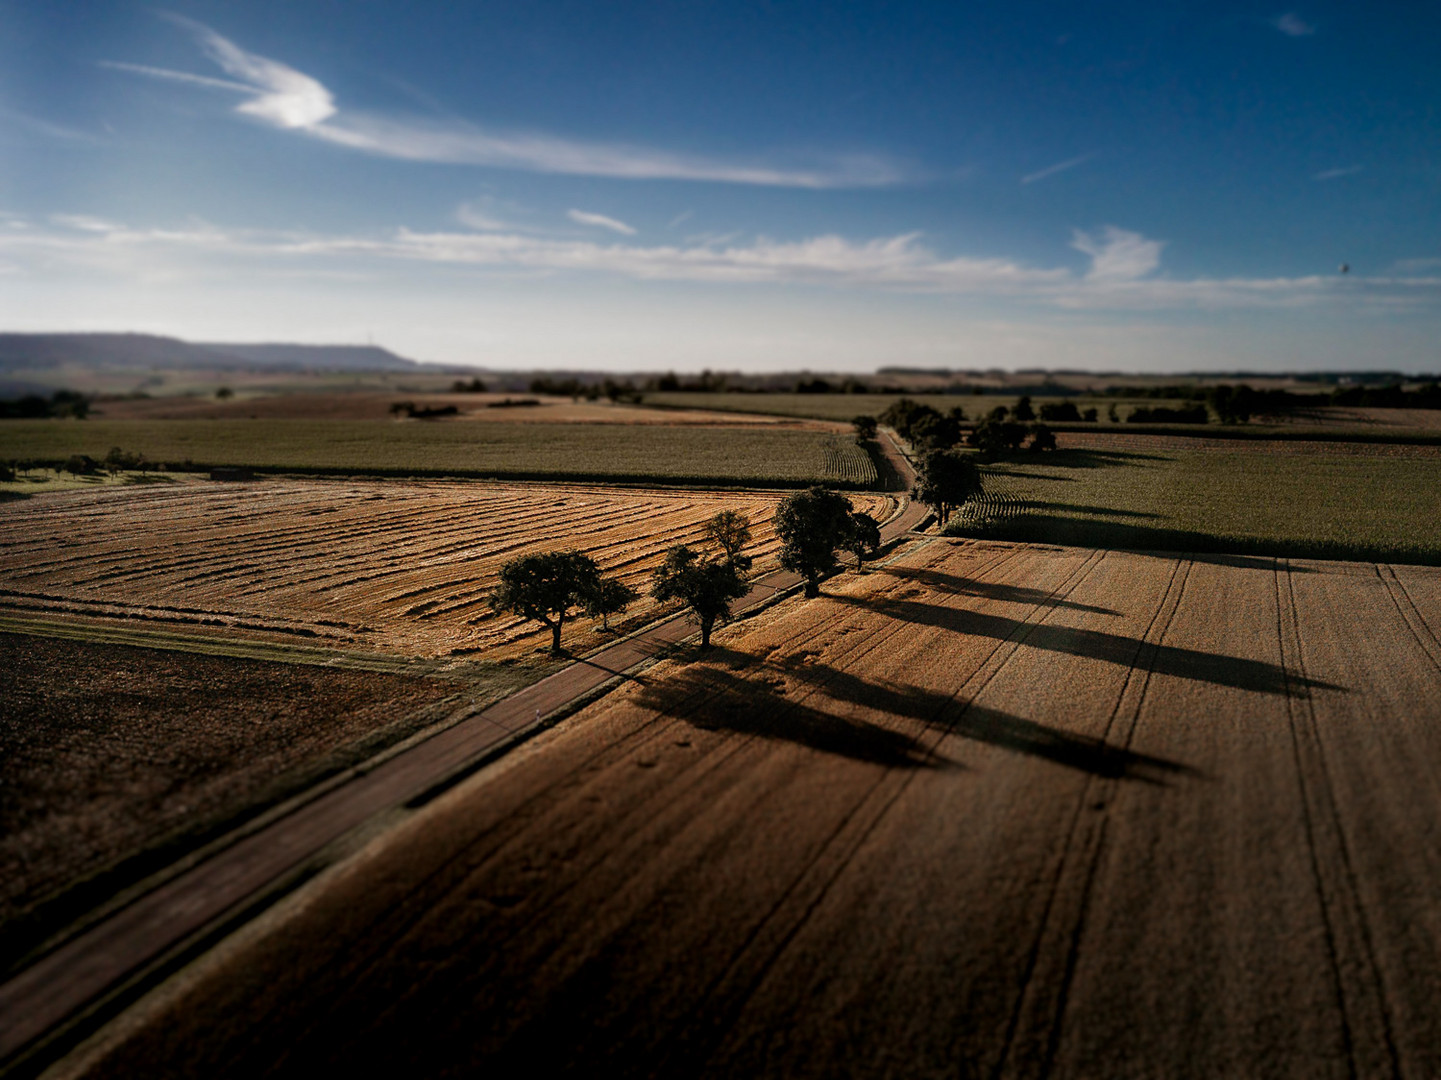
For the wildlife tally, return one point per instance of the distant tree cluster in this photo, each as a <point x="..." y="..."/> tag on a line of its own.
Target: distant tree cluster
<point x="474" y="386"/>
<point x="422" y="412"/>
<point x="60" y="404"/>
<point x="1193" y="414"/>
<point x="1064" y="412"/>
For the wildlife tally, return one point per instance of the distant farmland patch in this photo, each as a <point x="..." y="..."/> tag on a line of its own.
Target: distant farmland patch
<point x="1375" y="506"/>
<point x="753" y="457"/>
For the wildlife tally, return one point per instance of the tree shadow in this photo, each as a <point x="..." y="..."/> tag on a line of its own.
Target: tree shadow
<point x="1030" y="528"/>
<point x="733" y="693"/>
<point x="990" y="590"/>
<point x="746" y="695"/>
<point x="1076" y="508"/>
<point x="1075" y="459"/>
<point x="1196" y="665"/>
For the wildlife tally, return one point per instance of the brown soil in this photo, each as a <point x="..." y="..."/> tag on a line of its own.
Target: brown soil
<point x="109" y="749"/>
<point x="989" y="810"/>
<point x="393" y="566"/>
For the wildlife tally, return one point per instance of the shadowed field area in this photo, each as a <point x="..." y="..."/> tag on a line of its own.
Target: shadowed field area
<point x="988" y="810"/>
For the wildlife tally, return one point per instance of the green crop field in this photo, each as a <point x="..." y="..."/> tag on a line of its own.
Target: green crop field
<point x="1335" y="506"/>
<point x="613" y="452"/>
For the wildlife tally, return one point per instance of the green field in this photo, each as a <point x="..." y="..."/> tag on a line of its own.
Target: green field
<point x="613" y="452"/>
<point x="1331" y="506"/>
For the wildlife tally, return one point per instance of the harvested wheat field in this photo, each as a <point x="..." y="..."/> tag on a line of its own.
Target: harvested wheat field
<point x="383" y="566"/>
<point x="990" y="809"/>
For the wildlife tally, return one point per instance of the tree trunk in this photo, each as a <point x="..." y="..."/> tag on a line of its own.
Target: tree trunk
<point x="813" y="587"/>
<point x="555" y="635"/>
<point x="705" y="629"/>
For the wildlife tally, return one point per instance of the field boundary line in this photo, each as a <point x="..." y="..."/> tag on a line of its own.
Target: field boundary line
<point x="1361" y="1001"/>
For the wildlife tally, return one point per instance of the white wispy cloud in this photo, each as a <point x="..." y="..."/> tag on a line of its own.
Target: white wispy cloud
<point x="681" y="218"/>
<point x="1117" y="279"/>
<point x="49" y="128"/>
<point x="600" y="221"/>
<point x="1292" y="25"/>
<point x="1116" y="254"/>
<point x="289" y="99"/>
<point x="1059" y="167"/>
<point x="1336" y="174"/>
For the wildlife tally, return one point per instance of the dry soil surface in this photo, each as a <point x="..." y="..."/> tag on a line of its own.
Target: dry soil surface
<point x="988" y="810"/>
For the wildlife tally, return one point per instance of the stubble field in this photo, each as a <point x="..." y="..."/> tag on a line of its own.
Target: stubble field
<point x="990" y="809"/>
<point x="396" y="567"/>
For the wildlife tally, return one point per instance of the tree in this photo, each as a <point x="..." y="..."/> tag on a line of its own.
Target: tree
<point x="865" y="428"/>
<point x="996" y="438"/>
<point x="706" y="587"/>
<point x="609" y="597"/>
<point x="948" y="480"/>
<point x="730" y="530"/>
<point x="1042" y="438"/>
<point x="811" y="524"/>
<point x="1023" y="411"/>
<point x="545" y="586"/>
<point x="865" y="536"/>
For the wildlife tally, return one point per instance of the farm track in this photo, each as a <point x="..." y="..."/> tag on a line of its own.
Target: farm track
<point x="395" y="567"/>
<point x="991" y="809"/>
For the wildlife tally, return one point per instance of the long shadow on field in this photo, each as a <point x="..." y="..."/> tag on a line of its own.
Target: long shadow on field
<point x="749" y="698"/>
<point x="741" y="693"/>
<point x="1077" y="508"/>
<point x="971" y="721"/>
<point x="1194" y="664"/>
<point x="962" y="586"/>
<point x="1094" y="533"/>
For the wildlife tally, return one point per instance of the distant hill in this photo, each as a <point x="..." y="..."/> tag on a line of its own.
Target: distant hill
<point x="317" y="357"/>
<point x="131" y="352"/>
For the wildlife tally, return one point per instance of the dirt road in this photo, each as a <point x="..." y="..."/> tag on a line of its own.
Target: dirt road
<point x="990" y="810"/>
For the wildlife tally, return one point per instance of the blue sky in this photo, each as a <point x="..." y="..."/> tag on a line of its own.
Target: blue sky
<point x="1159" y="186"/>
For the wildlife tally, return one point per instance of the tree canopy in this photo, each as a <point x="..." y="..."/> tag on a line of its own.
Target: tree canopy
<point x="706" y="587"/>
<point x="730" y="530"/>
<point x="811" y="524"/>
<point x="947" y="480"/>
<point x="864" y="537"/>
<point x="545" y="586"/>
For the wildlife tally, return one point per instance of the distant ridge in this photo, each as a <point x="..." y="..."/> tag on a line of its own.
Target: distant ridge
<point x="38" y="352"/>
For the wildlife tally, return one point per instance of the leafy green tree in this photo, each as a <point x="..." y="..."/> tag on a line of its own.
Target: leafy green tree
<point x="811" y="524"/>
<point x="706" y="587"/>
<point x="609" y="597"/>
<point x="996" y="438"/>
<point x="545" y="586"/>
<point x="865" y="427"/>
<point x="947" y="481"/>
<point x="730" y="530"/>
<point x="865" y="536"/>
<point x="1023" y="411"/>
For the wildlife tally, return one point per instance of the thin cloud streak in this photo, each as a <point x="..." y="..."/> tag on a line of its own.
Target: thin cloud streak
<point x="1292" y="25"/>
<point x="1116" y="280"/>
<point x="600" y="221"/>
<point x="291" y="100"/>
<point x="1335" y="174"/>
<point x="1059" y="167"/>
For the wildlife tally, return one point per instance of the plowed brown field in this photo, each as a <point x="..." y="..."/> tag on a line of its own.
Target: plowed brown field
<point x="989" y="810"/>
<point x="398" y="567"/>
